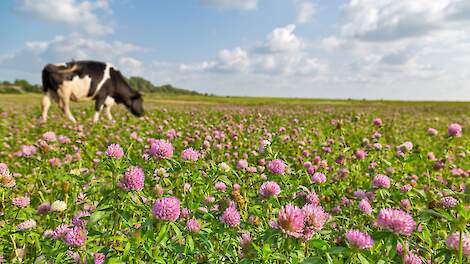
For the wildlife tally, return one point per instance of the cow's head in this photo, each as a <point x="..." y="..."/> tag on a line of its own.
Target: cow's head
<point x="136" y="105"/>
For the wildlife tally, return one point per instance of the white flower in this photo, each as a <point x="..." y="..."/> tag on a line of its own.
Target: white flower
<point x="224" y="166"/>
<point x="59" y="206"/>
<point x="262" y="146"/>
<point x="160" y="172"/>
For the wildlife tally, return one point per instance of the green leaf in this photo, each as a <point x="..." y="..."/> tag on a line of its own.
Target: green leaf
<point x="60" y="257"/>
<point x="362" y="259"/>
<point x="127" y="249"/>
<point x="114" y="260"/>
<point x="319" y="244"/>
<point x="312" y="260"/>
<point x="162" y="233"/>
<point x="266" y="250"/>
<point x="256" y="247"/>
<point x="160" y="260"/>
<point x="338" y="250"/>
<point x="190" y="243"/>
<point x="441" y="214"/>
<point x="379" y="235"/>
<point x="97" y="215"/>
<point x="426" y="235"/>
<point x="179" y="235"/>
<point x="125" y="217"/>
<point x="387" y="162"/>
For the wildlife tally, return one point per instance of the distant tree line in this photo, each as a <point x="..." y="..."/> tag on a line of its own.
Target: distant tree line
<point x="138" y="83"/>
<point x="146" y="86"/>
<point x="19" y="86"/>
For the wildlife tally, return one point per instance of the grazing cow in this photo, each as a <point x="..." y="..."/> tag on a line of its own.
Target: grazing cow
<point x="88" y="80"/>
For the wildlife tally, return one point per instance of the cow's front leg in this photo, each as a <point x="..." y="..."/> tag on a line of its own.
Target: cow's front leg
<point x="108" y="103"/>
<point x="96" y="115"/>
<point x="99" y="104"/>
<point x="107" y="110"/>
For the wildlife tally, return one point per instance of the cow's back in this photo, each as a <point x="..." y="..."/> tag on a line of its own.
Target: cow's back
<point x="94" y="70"/>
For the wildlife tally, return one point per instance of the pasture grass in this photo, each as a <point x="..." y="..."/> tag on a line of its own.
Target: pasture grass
<point x="110" y="209"/>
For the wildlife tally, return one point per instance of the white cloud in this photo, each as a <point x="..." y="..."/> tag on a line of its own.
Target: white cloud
<point x="37" y="46"/>
<point x="377" y="49"/>
<point x="383" y="52"/>
<point x="288" y="64"/>
<point x="234" y="59"/>
<point x="282" y="53"/>
<point x="305" y="11"/>
<point x="80" y="15"/>
<point x="400" y="45"/>
<point x="385" y="20"/>
<point x="396" y="49"/>
<point x="130" y="66"/>
<point x="283" y="39"/>
<point x="80" y="47"/>
<point x="227" y="61"/>
<point x="232" y="4"/>
<point x="331" y="43"/>
<point x="35" y="54"/>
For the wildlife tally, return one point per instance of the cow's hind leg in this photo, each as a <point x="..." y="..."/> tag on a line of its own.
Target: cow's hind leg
<point x="68" y="113"/>
<point x="64" y="94"/>
<point x="45" y="104"/>
<point x="61" y="105"/>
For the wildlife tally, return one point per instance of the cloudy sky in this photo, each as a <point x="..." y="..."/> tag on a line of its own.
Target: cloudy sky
<point x="391" y="49"/>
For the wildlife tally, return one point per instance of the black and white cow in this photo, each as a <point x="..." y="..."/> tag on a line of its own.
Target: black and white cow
<point x="88" y="80"/>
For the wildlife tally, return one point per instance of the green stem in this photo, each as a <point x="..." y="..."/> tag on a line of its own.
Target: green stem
<point x="405" y="249"/>
<point x="351" y="257"/>
<point x="14" y="245"/>
<point x="460" y="247"/>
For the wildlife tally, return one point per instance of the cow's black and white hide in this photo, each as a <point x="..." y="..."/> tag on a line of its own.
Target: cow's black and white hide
<point x="88" y="80"/>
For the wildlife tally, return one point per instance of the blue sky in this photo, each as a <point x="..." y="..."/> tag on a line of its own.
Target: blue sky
<point x="401" y="49"/>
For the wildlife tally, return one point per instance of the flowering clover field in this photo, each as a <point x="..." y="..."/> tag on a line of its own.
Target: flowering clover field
<point x="379" y="183"/>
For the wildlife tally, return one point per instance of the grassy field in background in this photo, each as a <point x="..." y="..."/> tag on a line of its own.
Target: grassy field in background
<point x="152" y="100"/>
<point x="30" y="104"/>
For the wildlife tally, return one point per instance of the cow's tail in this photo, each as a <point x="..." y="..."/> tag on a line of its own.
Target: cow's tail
<point x="46" y="81"/>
